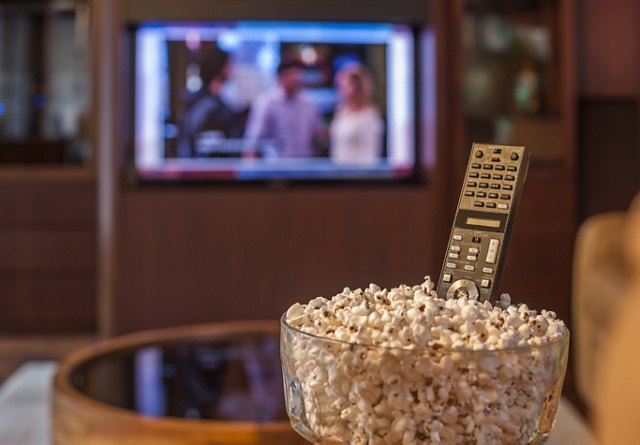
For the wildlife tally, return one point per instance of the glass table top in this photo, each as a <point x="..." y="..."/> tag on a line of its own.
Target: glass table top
<point x="233" y="378"/>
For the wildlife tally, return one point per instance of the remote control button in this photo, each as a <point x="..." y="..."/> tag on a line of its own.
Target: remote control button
<point x="473" y="175"/>
<point x="447" y="278"/>
<point x="487" y="167"/>
<point x="493" y="195"/>
<point x="497" y="176"/>
<point x="484" y="185"/>
<point x="457" y="237"/>
<point x="478" y="204"/>
<point x="451" y="265"/>
<point x="485" y="283"/>
<point x="469" y="267"/>
<point x="468" y="193"/>
<point x="512" y="168"/>
<point x="472" y="258"/>
<point x="510" y="178"/>
<point x="475" y="165"/>
<point x="499" y="167"/>
<point x="495" y="186"/>
<point x="479" y="154"/>
<point x="473" y="250"/>
<point x="505" y="196"/>
<point x="495" y="159"/>
<point x="481" y="195"/>
<point x="487" y="270"/>
<point x="514" y="156"/>
<point x="502" y="206"/>
<point x="492" y="252"/>
<point x="491" y="205"/>
<point x="485" y="176"/>
<point x="507" y="187"/>
<point x="455" y="248"/>
<point x="471" y="184"/>
<point x="476" y="239"/>
<point x="454" y="256"/>
<point x="497" y="151"/>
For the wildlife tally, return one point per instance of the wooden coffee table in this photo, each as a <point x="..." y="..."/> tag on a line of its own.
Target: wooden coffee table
<point x="25" y="414"/>
<point x="214" y="384"/>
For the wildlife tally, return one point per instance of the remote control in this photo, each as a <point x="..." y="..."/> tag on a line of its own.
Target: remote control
<point x="484" y="218"/>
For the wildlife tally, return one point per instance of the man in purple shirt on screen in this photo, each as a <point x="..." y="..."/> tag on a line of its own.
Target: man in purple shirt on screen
<point x="285" y="116"/>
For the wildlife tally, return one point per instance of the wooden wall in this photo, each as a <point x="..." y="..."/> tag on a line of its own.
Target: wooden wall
<point x="609" y="95"/>
<point x="47" y="250"/>
<point x="195" y="256"/>
<point x="610" y="155"/>
<point x="172" y="256"/>
<point x="608" y="48"/>
<point x="179" y="255"/>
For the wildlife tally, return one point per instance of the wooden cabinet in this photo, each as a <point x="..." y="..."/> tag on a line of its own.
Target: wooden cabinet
<point x="47" y="182"/>
<point x="44" y="83"/>
<point x="516" y="85"/>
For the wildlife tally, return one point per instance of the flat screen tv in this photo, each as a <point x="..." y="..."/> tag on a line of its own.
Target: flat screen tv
<point x="271" y="100"/>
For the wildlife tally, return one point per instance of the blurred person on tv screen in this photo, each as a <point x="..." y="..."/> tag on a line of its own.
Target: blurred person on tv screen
<point x="285" y="117"/>
<point x="357" y="128"/>
<point x="207" y="117"/>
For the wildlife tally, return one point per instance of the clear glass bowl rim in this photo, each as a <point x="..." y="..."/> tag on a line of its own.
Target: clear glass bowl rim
<point x="422" y="349"/>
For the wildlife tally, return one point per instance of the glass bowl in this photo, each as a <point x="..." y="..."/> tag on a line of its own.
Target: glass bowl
<point x="346" y="393"/>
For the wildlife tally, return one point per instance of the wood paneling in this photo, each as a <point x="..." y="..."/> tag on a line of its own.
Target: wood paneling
<point x="413" y="11"/>
<point x="213" y="255"/>
<point x="55" y="202"/>
<point x="47" y="253"/>
<point x="47" y="248"/>
<point x="194" y="256"/>
<point x="53" y="301"/>
<point x="610" y="155"/>
<point x="609" y="45"/>
<point x="538" y="268"/>
<point x="187" y="255"/>
<point x="172" y="256"/>
<point x="17" y="350"/>
<point x="608" y="108"/>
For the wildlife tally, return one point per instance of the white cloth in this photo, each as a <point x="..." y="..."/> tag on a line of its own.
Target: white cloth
<point x="356" y="136"/>
<point x="25" y="399"/>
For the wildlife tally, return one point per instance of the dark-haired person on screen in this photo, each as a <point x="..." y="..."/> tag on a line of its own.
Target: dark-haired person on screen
<point x="286" y="117"/>
<point x="205" y="111"/>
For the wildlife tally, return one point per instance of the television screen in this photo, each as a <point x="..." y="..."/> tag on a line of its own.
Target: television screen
<point x="249" y="100"/>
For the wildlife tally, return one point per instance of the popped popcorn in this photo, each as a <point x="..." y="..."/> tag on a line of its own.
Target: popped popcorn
<point x="403" y="366"/>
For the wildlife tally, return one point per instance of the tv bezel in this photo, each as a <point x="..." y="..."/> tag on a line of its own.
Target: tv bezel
<point x="133" y="177"/>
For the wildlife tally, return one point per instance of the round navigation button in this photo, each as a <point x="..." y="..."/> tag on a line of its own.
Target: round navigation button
<point x="515" y="156"/>
<point x="479" y="154"/>
<point x="463" y="289"/>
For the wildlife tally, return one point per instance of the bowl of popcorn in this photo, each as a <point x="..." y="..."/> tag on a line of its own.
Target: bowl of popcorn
<point x="402" y="366"/>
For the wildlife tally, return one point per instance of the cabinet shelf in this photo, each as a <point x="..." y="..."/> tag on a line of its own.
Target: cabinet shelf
<point x="46" y="173"/>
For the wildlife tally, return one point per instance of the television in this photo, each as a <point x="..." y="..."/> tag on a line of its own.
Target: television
<point x="262" y="100"/>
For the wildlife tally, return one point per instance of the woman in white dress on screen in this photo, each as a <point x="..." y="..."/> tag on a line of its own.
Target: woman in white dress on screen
<point x="356" y="130"/>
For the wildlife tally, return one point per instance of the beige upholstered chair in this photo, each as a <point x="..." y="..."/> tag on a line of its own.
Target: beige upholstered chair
<point x="606" y="320"/>
<point x="600" y="276"/>
<point x="617" y="390"/>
